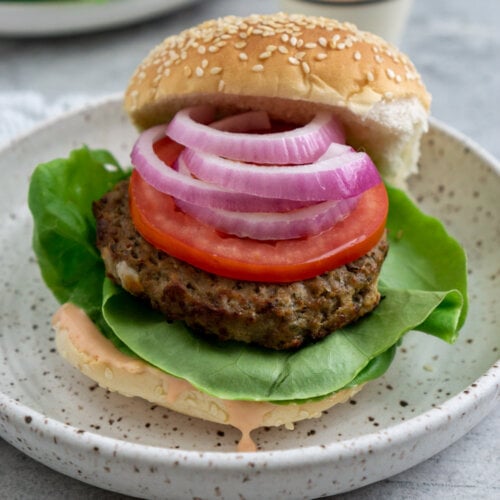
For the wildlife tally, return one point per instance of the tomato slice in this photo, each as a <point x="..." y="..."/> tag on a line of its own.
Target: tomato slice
<point x="162" y="224"/>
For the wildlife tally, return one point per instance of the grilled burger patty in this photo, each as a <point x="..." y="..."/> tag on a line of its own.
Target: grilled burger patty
<point x="277" y="316"/>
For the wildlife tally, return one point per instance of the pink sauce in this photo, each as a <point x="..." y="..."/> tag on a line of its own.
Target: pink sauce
<point x="86" y="338"/>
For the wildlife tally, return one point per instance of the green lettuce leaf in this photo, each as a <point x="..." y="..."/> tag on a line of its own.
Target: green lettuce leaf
<point x="60" y="199"/>
<point x="423" y="284"/>
<point x="232" y="370"/>
<point x="424" y="258"/>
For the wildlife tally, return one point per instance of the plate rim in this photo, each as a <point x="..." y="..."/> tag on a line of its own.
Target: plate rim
<point x="486" y="389"/>
<point x="93" y="103"/>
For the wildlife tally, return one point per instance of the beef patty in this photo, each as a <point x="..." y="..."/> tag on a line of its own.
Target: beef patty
<point x="277" y="316"/>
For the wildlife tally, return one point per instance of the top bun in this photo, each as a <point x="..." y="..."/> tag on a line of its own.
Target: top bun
<point x="291" y="66"/>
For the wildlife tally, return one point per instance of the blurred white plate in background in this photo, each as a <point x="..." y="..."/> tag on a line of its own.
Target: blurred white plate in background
<point x="32" y="19"/>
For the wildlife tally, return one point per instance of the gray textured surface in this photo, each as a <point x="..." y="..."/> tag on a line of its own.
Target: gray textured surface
<point x="456" y="46"/>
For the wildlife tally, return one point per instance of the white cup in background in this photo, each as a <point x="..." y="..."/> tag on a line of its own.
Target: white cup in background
<point x="386" y="18"/>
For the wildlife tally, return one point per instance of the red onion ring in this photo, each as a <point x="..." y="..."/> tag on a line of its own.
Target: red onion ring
<point x="333" y="177"/>
<point x="298" y="223"/>
<point x="265" y="202"/>
<point x="167" y="180"/>
<point x="294" y="147"/>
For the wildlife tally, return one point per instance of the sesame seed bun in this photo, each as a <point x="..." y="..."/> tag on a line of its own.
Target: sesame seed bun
<point x="291" y="66"/>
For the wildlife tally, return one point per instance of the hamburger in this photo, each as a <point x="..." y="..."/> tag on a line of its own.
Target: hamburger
<point x="237" y="274"/>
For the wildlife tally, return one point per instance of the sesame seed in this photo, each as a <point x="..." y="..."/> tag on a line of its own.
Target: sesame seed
<point x="357" y="55"/>
<point x="300" y="55"/>
<point x="265" y="55"/>
<point x="322" y="41"/>
<point x="215" y="70"/>
<point x="390" y="73"/>
<point x="199" y="71"/>
<point x="306" y="68"/>
<point x="221" y="85"/>
<point x="399" y="78"/>
<point x="204" y="63"/>
<point x="271" y="48"/>
<point x="188" y="71"/>
<point x="243" y="56"/>
<point x="310" y="45"/>
<point x="285" y="37"/>
<point x="369" y="76"/>
<point x="283" y="49"/>
<point x="293" y="41"/>
<point x="321" y="56"/>
<point x="240" y="45"/>
<point x="213" y="49"/>
<point x="341" y="46"/>
<point x="378" y="58"/>
<point x="257" y="68"/>
<point x="274" y="24"/>
<point x="294" y="61"/>
<point x="202" y="49"/>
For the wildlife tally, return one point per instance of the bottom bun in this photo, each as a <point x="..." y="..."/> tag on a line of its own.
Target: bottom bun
<point x="80" y="342"/>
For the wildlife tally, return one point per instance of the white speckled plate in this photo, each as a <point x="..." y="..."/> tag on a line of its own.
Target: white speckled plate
<point x="432" y="394"/>
<point x="51" y="18"/>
